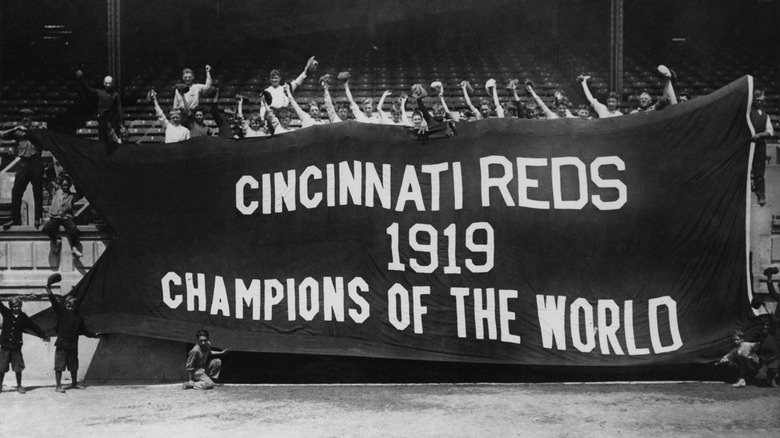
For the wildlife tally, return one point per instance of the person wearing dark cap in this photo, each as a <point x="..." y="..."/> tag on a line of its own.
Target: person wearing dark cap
<point x="109" y="112"/>
<point x="763" y="130"/>
<point x="30" y="170"/>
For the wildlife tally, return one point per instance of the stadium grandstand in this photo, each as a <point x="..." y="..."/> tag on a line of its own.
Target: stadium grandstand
<point x="384" y="45"/>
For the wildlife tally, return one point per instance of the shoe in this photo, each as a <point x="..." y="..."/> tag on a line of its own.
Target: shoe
<point x="761" y="200"/>
<point x="77" y="387"/>
<point x="56" y="246"/>
<point x="38" y="222"/>
<point x="740" y="384"/>
<point x="77" y="253"/>
<point x="186" y="385"/>
<point x="11" y="223"/>
<point x="667" y="72"/>
<point x="59" y="389"/>
<point x="773" y="383"/>
<point x="20" y="390"/>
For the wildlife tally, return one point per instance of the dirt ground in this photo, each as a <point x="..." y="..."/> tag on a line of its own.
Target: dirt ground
<point x="445" y="410"/>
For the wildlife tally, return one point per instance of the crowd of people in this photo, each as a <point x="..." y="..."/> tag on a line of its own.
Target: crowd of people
<point x="277" y="103"/>
<point x="753" y="359"/>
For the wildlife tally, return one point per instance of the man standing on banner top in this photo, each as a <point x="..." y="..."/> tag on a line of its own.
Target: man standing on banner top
<point x="203" y="363"/>
<point x="763" y="128"/>
<point x="189" y="94"/>
<point x="275" y="95"/>
<point x="30" y="170"/>
<point x="109" y="111"/>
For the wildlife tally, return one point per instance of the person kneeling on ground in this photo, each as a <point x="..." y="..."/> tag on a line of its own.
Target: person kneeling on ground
<point x="203" y="364"/>
<point x="743" y="356"/>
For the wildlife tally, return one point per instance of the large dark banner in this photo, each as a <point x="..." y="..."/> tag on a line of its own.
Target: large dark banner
<point x="613" y="242"/>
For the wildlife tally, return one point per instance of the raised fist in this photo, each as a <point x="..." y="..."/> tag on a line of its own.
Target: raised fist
<point x="208" y="68"/>
<point x="79" y="74"/>
<point x="312" y="64"/>
<point x="387" y="93"/>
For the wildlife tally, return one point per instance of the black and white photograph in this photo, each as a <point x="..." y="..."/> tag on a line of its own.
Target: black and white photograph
<point x="389" y="218"/>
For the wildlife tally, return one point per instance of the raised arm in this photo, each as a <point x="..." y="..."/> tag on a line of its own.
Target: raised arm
<point x="382" y="114"/>
<point x="158" y="110"/>
<point x="332" y="116"/>
<point x="310" y="64"/>
<point x="306" y="119"/>
<point x="55" y="304"/>
<point x="497" y="103"/>
<point x="464" y="86"/>
<point x="207" y="85"/>
<point x="402" y="103"/>
<point x="240" y="105"/>
<point x="359" y="116"/>
<point x="549" y="114"/>
<point x="83" y="83"/>
<point x="599" y="107"/>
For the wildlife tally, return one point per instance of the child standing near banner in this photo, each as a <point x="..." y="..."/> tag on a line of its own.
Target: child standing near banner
<point x="70" y="325"/>
<point x="14" y="322"/>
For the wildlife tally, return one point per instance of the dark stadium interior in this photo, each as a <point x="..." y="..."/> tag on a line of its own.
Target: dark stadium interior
<point x="386" y="45"/>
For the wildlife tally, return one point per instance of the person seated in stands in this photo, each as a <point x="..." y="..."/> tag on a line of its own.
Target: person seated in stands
<point x="364" y="114"/>
<point x="510" y="110"/>
<point x="604" y="111"/>
<point x="189" y="93"/>
<point x="228" y="122"/>
<point x="339" y="114"/>
<point x="30" y="170"/>
<point x="743" y="357"/>
<point x="683" y="96"/>
<point x="110" y="117"/>
<point x="61" y="215"/>
<point x="485" y="109"/>
<point x="763" y="130"/>
<point x="203" y="363"/>
<point x="438" y="117"/>
<point x="174" y="130"/>
<point x="397" y="112"/>
<point x="274" y="94"/>
<point x="583" y="112"/>
<point x="561" y="104"/>
<point x="645" y="103"/>
<point x="307" y="119"/>
<point x="532" y="111"/>
<point x="199" y="127"/>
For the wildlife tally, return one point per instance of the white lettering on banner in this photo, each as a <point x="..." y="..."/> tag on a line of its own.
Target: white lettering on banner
<point x="262" y="296"/>
<point x="485" y="313"/>
<point x="168" y="299"/>
<point x="350" y="181"/>
<point x="497" y="173"/>
<point x="429" y="244"/>
<point x="552" y="324"/>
